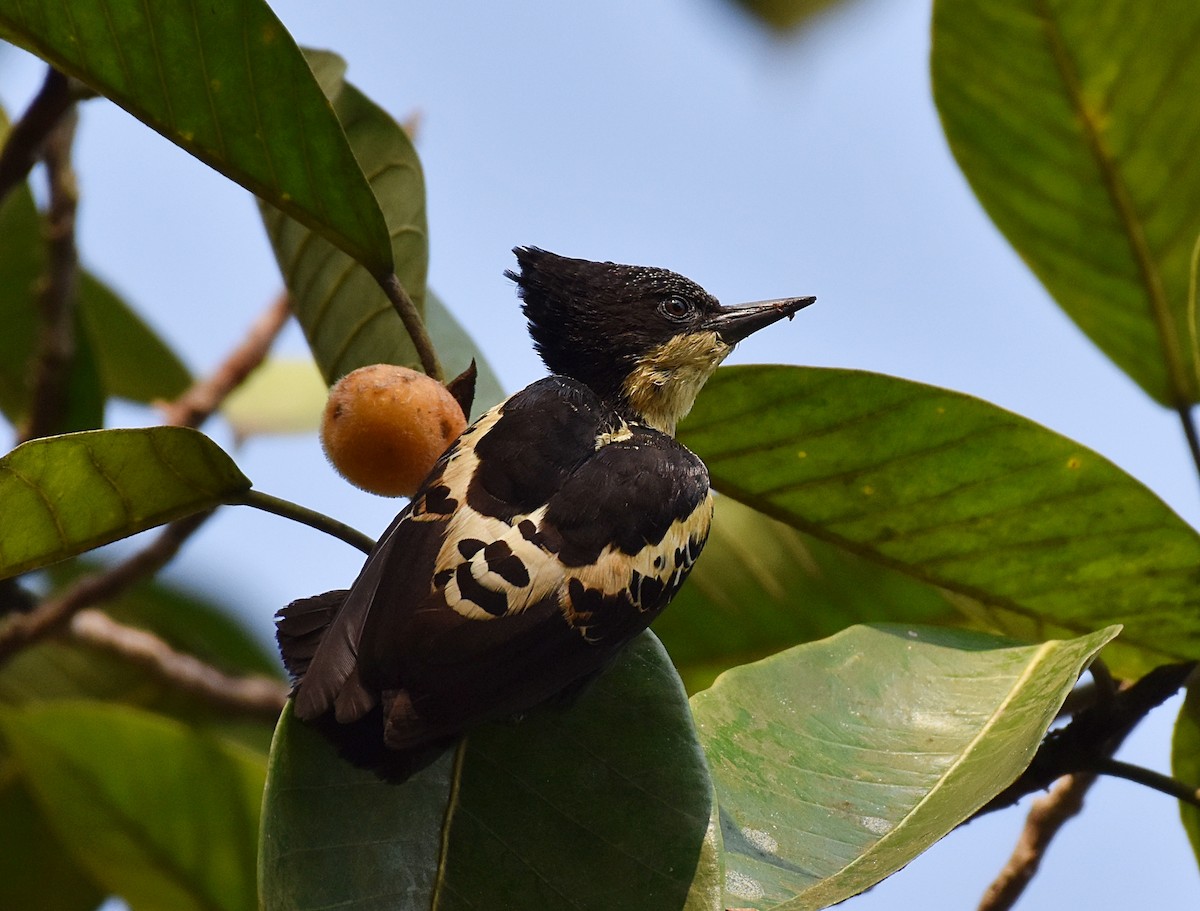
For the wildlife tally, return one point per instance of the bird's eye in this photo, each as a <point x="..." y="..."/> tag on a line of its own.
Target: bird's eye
<point x="676" y="307"/>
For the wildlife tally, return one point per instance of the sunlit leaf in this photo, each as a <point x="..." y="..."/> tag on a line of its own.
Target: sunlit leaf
<point x="1076" y="125"/>
<point x="75" y="492"/>
<point x="226" y="82"/>
<point x="345" y="316"/>
<point x="1037" y="535"/>
<point x="837" y="762"/>
<point x="162" y="815"/>
<point x="605" y="805"/>
<point x="761" y="587"/>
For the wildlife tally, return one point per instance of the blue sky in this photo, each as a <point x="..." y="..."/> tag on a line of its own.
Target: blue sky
<point x="675" y="134"/>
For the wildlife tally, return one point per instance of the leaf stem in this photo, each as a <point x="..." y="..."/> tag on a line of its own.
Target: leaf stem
<point x="413" y="324"/>
<point x="306" y="516"/>
<point x="1172" y="787"/>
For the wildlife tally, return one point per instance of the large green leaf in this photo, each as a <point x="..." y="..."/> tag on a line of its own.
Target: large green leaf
<point x="346" y="317"/>
<point x="606" y="805"/>
<point x="164" y="816"/>
<point x="1039" y="536"/>
<point x="839" y="761"/>
<point x="1185" y="761"/>
<point x="36" y="871"/>
<point x="226" y="82"/>
<point x="762" y="586"/>
<point x="1077" y="127"/>
<point x="71" y="493"/>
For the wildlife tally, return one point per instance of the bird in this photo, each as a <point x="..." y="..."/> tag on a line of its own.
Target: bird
<point x="551" y="533"/>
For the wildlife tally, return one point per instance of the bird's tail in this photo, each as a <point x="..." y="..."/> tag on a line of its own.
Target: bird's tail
<point x="300" y="626"/>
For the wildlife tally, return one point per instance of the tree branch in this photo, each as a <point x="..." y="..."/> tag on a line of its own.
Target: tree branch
<point x="1094" y="734"/>
<point x="254" y="695"/>
<point x="56" y="344"/>
<point x="199" y="402"/>
<point x="1047" y="815"/>
<point x="54" y="612"/>
<point x="25" y="140"/>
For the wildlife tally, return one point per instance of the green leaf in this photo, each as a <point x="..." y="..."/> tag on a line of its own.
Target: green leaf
<point x="226" y="82"/>
<point x="838" y="762"/>
<point x="134" y="363"/>
<point x="1076" y="125"/>
<point x="78" y="491"/>
<point x="784" y="15"/>
<point x="1185" y="761"/>
<point x="346" y="317"/>
<point x="1036" y="535"/>
<point x="159" y="814"/>
<point x="762" y="586"/>
<point x="606" y="805"/>
<point x="36" y="871"/>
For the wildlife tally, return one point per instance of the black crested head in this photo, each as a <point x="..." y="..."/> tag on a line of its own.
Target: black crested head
<point x="644" y="339"/>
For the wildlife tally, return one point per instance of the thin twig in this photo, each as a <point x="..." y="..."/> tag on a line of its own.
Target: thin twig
<point x="413" y="324"/>
<point x="203" y="398"/>
<point x="1172" y="787"/>
<point x="309" y="517"/>
<point x="1047" y="815"/>
<point x="254" y="695"/>
<point x="199" y="402"/>
<point x="25" y="140"/>
<point x="56" y="305"/>
<point x="54" y="612"/>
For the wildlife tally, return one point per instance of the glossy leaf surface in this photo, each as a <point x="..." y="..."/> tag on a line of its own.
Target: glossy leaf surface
<point x="226" y="82"/>
<point x="617" y="784"/>
<point x="345" y="316"/>
<point x="839" y="761"/>
<point x="1037" y="536"/>
<point x="78" y="491"/>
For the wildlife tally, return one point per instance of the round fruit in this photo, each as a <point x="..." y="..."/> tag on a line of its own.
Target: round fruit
<point x="385" y="426"/>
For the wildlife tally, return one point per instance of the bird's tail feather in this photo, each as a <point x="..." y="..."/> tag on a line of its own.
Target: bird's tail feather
<point x="301" y="625"/>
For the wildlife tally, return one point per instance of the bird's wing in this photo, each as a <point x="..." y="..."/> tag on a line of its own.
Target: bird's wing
<point x="549" y="425"/>
<point x="555" y="597"/>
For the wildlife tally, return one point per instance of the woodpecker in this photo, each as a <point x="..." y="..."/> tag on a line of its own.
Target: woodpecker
<point x="549" y="534"/>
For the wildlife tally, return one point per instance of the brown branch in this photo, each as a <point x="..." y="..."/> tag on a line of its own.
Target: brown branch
<point x="1047" y="815"/>
<point x="199" y="402"/>
<point x="54" y="612"/>
<point x="56" y="344"/>
<point x="25" y="140"/>
<point x="253" y="695"/>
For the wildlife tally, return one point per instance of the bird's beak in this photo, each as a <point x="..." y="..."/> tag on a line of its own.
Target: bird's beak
<point x="733" y="324"/>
